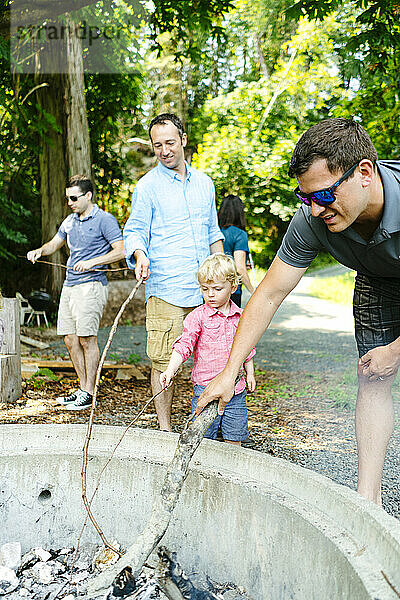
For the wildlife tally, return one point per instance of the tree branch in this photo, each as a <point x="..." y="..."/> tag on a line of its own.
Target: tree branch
<point x="164" y="504"/>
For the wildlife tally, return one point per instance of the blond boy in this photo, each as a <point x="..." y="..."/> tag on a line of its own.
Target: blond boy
<point x="208" y="333"/>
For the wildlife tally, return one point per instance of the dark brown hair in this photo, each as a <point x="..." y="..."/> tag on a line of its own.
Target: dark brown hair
<point x="84" y="183"/>
<point x="164" y="118"/>
<point x="231" y="212"/>
<point x="341" y="142"/>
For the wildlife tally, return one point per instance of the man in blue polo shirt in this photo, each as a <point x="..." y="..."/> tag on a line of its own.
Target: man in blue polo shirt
<point x="94" y="240"/>
<point x="350" y="207"/>
<point x="172" y="228"/>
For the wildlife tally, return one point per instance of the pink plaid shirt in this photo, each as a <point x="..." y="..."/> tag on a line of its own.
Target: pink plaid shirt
<point x="208" y="335"/>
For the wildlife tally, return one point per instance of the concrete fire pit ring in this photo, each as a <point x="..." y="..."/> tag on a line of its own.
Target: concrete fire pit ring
<point x="278" y="530"/>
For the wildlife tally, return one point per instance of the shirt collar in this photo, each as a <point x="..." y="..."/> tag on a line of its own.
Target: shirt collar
<point x="388" y="170"/>
<point x="173" y="175"/>
<point x="92" y="214"/>
<point x="233" y="310"/>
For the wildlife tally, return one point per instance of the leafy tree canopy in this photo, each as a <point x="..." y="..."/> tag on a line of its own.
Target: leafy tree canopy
<point x="251" y="132"/>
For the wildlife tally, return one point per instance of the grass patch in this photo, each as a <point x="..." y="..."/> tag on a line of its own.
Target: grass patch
<point x="343" y="392"/>
<point x="337" y="289"/>
<point x="42" y="376"/>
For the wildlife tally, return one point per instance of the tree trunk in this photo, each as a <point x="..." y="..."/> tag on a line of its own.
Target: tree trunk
<point x="66" y="149"/>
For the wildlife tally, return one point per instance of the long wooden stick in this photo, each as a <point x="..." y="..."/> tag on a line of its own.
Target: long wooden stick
<point x="55" y="264"/>
<point x="163" y="506"/>
<point x="86" y="502"/>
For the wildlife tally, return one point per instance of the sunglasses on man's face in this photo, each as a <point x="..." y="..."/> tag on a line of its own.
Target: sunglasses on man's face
<point x="326" y="196"/>
<point x="74" y="198"/>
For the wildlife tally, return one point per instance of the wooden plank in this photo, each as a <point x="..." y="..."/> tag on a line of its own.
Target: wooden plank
<point x="67" y="364"/>
<point x="9" y="326"/>
<point x="10" y="377"/>
<point x="35" y="343"/>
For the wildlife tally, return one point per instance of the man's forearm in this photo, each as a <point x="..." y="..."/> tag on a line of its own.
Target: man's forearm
<point x="47" y="249"/>
<point x="51" y="246"/>
<point x="114" y="255"/>
<point x="263" y="304"/>
<point x="254" y="320"/>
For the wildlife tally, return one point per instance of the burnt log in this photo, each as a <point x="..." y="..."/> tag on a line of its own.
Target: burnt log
<point x="164" y="504"/>
<point x="174" y="582"/>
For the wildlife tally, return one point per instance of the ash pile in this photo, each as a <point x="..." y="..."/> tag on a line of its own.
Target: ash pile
<point x="63" y="574"/>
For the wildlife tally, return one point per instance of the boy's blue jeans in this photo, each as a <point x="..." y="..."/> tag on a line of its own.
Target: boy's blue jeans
<point x="233" y="422"/>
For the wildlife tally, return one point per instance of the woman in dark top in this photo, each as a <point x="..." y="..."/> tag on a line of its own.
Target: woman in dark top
<point x="232" y="223"/>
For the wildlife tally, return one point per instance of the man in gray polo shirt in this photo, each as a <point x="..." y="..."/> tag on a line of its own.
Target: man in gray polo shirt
<point x="94" y="239"/>
<point x="351" y="207"/>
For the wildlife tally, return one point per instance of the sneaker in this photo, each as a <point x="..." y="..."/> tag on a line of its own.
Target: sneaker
<point x="83" y="400"/>
<point x="67" y="399"/>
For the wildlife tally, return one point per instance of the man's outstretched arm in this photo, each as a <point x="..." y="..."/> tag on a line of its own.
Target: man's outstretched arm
<point x="279" y="281"/>
<point x="48" y="248"/>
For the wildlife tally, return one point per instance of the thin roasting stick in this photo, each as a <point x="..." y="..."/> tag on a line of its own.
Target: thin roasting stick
<point x="91" y="417"/>
<point x="53" y="264"/>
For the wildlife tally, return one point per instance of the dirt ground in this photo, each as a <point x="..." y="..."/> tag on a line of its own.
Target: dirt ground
<point x="274" y="412"/>
<point x="278" y="410"/>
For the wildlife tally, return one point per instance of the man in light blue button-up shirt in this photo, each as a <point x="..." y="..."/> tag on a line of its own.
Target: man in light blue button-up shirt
<point x="172" y="228"/>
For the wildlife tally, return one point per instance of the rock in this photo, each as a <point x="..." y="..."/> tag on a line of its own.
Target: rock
<point x="42" y="573"/>
<point x="32" y="557"/>
<point x="8" y="580"/>
<point x="43" y="555"/>
<point x="10" y="555"/>
<point x="80" y="576"/>
<point x="28" y="560"/>
<point x="106" y="557"/>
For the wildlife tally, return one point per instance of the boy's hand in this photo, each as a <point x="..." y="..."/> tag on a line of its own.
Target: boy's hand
<point x="166" y="379"/>
<point x="251" y="382"/>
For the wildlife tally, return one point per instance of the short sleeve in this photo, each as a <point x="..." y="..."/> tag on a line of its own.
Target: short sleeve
<point x="241" y="241"/>
<point x="61" y="232"/>
<point x="300" y="245"/>
<point x="186" y="342"/>
<point x="65" y="227"/>
<point x="110" y="229"/>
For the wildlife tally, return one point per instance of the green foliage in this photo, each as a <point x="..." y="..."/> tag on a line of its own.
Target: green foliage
<point x="188" y="21"/>
<point x="368" y="49"/>
<point x="337" y="289"/>
<point x="20" y="131"/>
<point x="112" y="105"/>
<point x="113" y="110"/>
<point x="39" y="378"/>
<point x="252" y="131"/>
<point x="134" y="359"/>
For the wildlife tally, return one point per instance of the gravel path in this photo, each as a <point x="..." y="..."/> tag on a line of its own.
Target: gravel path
<point x="307" y="336"/>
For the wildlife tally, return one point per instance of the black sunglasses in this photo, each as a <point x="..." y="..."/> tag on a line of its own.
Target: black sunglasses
<point x="326" y="196"/>
<point x="74" y="198"/>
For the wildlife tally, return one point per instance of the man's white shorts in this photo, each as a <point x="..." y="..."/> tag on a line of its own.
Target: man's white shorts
<point x="80" y="308"/>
